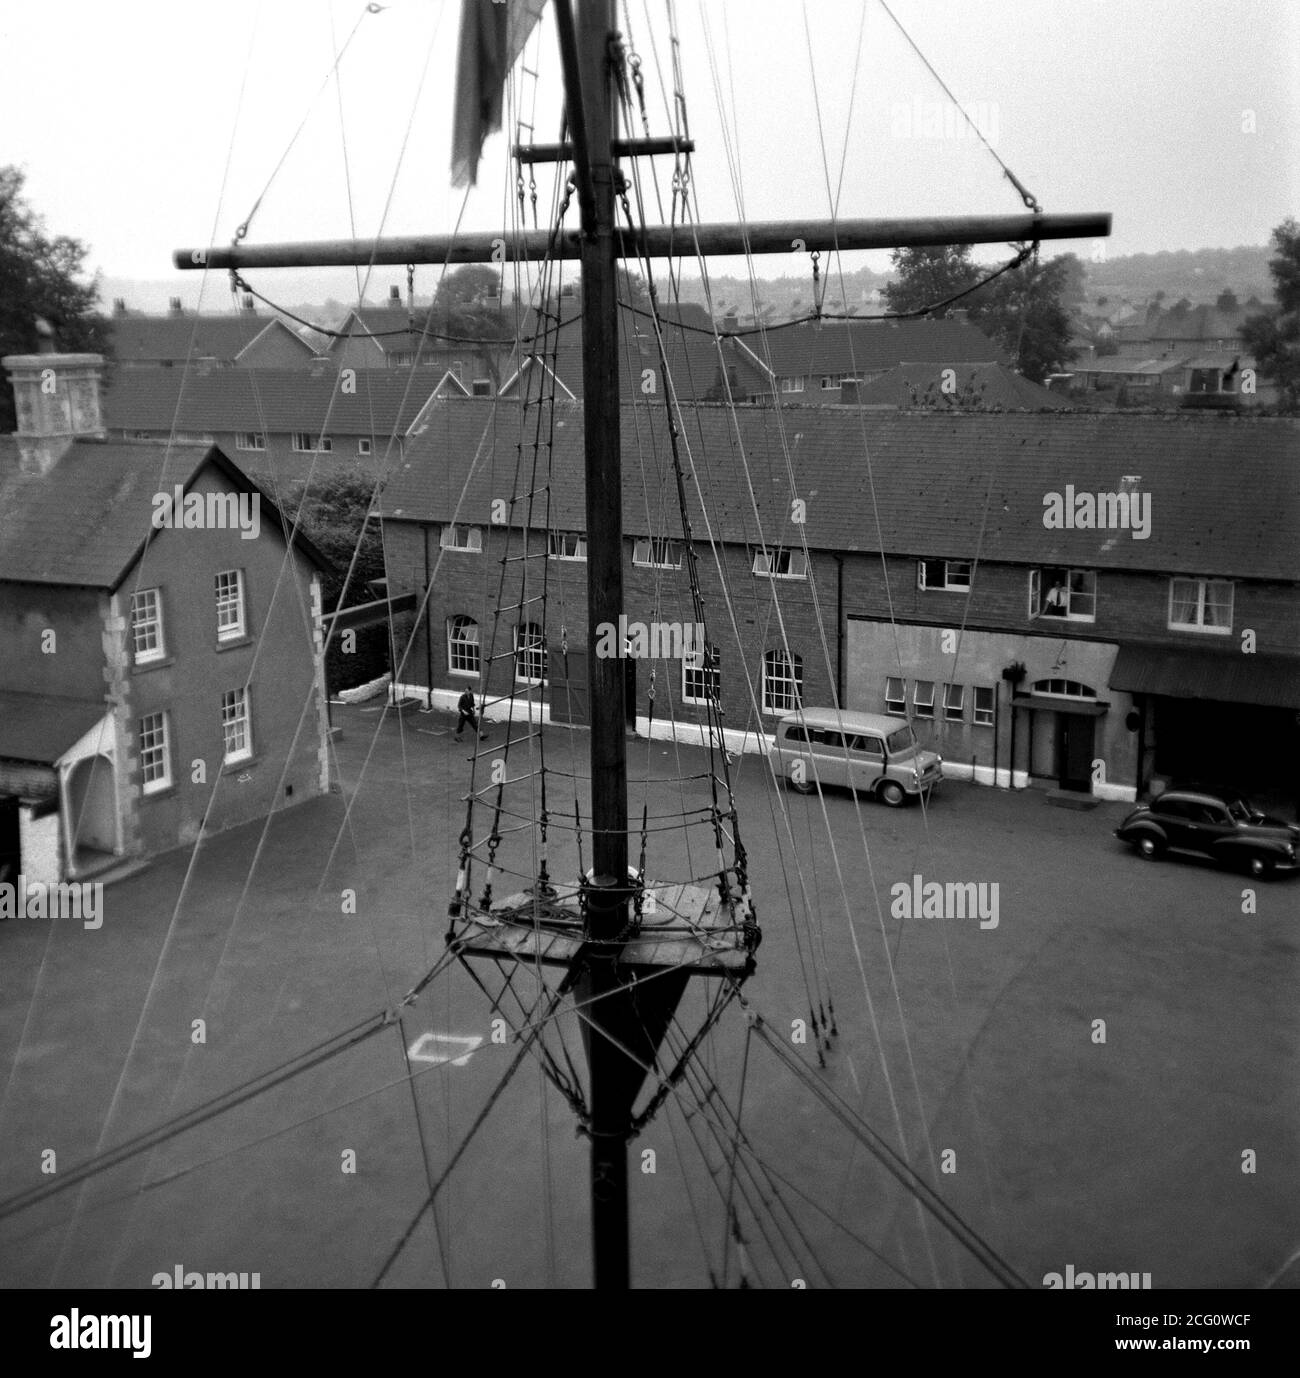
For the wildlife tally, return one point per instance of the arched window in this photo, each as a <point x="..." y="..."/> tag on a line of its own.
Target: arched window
<point x="462" y="645"/>
<point x="530" y="653"/>
<point x="1063" y="688"/>
<point x="782" y="682"/>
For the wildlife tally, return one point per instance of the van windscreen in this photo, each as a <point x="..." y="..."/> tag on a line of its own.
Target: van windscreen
<point x="902" y="740"/>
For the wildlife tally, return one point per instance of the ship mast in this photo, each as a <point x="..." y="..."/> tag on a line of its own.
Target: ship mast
<point x="619" y="1020"/>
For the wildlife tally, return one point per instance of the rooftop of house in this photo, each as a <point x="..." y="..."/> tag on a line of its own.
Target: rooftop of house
<point x="854" y="347"/>
<point x="1224" y="491"/>
<point x="972" y="387"/>
<point x="87" y="521"/>
<point x="374" y="402"/>
<point x="176" y="338"/>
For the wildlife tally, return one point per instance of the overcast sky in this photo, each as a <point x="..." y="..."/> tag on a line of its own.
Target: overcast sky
<point x="145" y="125"/>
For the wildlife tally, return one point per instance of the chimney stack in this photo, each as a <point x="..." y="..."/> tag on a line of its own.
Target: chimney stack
<point x="248" y="303"/>
<point x="119" y="306"/>
<point x="730" y="321"/>
<point x="57" y="400"/>
<point x="395" y="298"/>
<point x="175" y="307"/>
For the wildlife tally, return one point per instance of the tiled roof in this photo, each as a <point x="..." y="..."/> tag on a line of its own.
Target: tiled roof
<point x="149" y="339"/>
<point x="1114" y="363"/>
<point x="1225" y="492"/>
<point x="41" y="727"/>
<point x="847" y="347"/>
<point x="693" y="359"/>
<point x="271" y="400"/>
<point x="86" y="522"/>
<point x="978" y="387"/>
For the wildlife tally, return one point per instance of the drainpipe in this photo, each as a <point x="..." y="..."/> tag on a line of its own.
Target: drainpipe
<point x="428" y="627"/>
<point x="1011" y="755"/>
<point x="997" y="714"/>
<point x="839" y="631"/>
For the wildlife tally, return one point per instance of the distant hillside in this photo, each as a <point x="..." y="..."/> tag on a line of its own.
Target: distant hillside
<point x="1197" y="274"/>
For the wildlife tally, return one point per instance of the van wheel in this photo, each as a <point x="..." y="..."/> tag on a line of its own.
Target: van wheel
<point x="1261" y="867"/>
<point x="1151" y="848"/>
<point x="805" y="788"/>
<point x="891" y="793"/>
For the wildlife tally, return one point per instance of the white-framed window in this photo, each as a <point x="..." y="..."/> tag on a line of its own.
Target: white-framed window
<point x="364" y="445"/>
<point x="951" y="575"/>
<point x="954" y="702"/>
<point x="235" y="726"/>
<point x="656" y="552"/>
<point x="702" y="683"/>
<point x="250" y="440"/>
<point x="566" y="545"/>
<point x="923" y="698"/>
<point x="463" y="646"/>
<point x="1070" y="594"/>
<point x="305" y="443"/>
<point x="982" y="714"/>
<point x="530" y="653"/>
<point x="830" y="381"/>
<point x="1200" y="605"/>
<point x="781" y="564"/>
<point x="230" y="604"/>
<point x="147" y="626"/>
<point x="468" y="538"/>
<point x="782" y="682"/>
<point x="1063" y="688"/>
<point x="792" y="384"/>
<point x="896" y="695"/>
<point x="155" y="753"/>
<point x="481" y="387"/>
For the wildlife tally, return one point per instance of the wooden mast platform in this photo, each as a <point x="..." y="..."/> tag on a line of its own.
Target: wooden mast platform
<point x="686" y="926"/>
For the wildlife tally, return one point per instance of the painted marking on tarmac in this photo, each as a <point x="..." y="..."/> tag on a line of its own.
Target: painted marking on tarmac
<point x="436" y="1047"/>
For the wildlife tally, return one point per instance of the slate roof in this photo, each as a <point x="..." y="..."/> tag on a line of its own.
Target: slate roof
<point x="985" y="387"/>
<point x="1114" y="363"/>
<point x="693" y="357"/>
<point x="87" y="521"/>
<point x="1225" y="492"/>
<point x="152" y="339"/>
<point x="41" y="727"/>
<point x="270" y="400"/>
<point x="812" y="350"/>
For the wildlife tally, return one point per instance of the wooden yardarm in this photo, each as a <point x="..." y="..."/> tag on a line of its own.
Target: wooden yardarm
<point x="623" y="1025"/>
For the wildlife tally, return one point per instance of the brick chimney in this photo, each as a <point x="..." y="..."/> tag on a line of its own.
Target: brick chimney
<point x="395" y="298"/>
<point x="174" y="307"/>
<point x="57" y="400"/>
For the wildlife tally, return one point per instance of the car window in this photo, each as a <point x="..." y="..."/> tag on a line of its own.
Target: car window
<point x="902" y="740"/>
<point x="795" y="733"/>
<point x="870" y="746"/>
<point x="1170" y="808"/>
<point x="1212" y="815"/>
<point x="825" y="736"/>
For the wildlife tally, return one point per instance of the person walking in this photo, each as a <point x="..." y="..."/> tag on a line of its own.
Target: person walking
<point x="465" y="708"/>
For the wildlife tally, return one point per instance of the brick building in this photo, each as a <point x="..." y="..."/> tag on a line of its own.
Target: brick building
<point x="924" y="580"/>
<point x="156" y="680"/>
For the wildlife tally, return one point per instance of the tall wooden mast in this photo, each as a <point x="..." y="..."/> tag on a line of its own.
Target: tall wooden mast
<point x="623" y="1025"/>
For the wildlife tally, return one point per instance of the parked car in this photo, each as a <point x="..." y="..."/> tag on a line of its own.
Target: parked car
<point x="862" y="751"/>
<point x="1218" y="823"/>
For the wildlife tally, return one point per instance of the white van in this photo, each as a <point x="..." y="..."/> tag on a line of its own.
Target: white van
<point x="861" y="751"/>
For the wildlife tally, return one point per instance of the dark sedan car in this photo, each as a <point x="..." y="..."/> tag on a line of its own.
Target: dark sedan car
<point x="1219" y="824"/>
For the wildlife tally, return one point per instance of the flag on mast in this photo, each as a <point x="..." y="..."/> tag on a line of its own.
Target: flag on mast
<point x="492" y="35"/>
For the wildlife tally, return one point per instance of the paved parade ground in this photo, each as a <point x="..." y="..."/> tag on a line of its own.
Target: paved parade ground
<point x="1096" y="1068"/>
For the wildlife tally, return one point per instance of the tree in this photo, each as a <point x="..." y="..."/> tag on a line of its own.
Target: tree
<point x="1273" y="336"/>
<point x="1024" y="312"/>
<point x="40" y="281"/>
<point x="929" y="275"/>
<point x="468" y="303"/>
<point x="1074" y="282"/>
